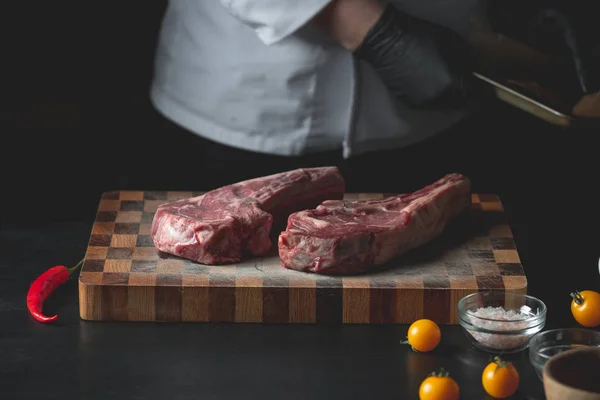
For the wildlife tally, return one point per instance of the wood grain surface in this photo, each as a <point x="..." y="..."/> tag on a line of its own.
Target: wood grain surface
<point x="125" y="278"/>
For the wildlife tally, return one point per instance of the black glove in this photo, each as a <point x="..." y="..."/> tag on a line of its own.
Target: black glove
<point x="553" y="33"/>
<point x="412" y="56"/>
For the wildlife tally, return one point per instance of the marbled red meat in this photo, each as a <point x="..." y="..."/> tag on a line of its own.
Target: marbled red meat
<point x="222" y="225"/>
<point x="346" y="237"/>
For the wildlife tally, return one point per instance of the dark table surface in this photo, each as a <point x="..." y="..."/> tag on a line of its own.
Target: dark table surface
<point x="87" y="360"/>
<point x="552" y="212"/>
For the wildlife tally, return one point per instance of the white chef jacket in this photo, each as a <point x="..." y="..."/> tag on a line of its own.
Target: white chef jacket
<point x="253" y="74"/>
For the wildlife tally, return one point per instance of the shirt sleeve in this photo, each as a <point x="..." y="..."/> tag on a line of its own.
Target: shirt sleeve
<point x="274" y="20"/>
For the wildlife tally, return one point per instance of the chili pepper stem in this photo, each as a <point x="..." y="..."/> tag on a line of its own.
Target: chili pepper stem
<point x="75" y="267"/>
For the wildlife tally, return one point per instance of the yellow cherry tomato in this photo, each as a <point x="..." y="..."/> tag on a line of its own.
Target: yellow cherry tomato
<point x="500" y="379"/>
<point x="585" y="308"/>
<point x="439" y="386"/>
<point x="424" y="335"/>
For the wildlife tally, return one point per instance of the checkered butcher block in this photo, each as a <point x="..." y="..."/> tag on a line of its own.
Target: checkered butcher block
<point x="125" y="278"/>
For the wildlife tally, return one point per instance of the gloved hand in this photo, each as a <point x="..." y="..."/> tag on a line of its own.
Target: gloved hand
<point x="424" y="64"/>
<point x="553" y="33"/>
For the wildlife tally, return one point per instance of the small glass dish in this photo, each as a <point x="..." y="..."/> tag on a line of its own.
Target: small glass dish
<point x="501" y="322"/>
<point x="546" y="344"/>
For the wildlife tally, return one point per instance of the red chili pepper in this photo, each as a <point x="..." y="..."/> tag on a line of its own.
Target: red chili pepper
<point x="43" y="286"/>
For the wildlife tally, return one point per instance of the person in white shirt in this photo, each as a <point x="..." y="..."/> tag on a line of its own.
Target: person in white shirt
<point x="293" y="83"/>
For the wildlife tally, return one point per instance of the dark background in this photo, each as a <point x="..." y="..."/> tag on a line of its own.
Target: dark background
<point x="74" y="96"/>
<point x="74" y="105"/>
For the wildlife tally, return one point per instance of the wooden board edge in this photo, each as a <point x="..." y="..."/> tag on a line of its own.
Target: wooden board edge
<point x="516" y="283"/>
<point x="89" y="304"/>
<point x="295" y="305"/>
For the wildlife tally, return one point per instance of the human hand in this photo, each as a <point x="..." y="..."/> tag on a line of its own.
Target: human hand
<point x="426" y="65"/>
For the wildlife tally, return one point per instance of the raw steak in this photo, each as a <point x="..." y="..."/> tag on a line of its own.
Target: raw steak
<point x="221" y="225"/>
<point x="346" y="237"/>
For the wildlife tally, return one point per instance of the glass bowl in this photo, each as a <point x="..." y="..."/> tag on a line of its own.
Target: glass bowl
<point x="501" y="322"/>
<point x="546" y="344"/>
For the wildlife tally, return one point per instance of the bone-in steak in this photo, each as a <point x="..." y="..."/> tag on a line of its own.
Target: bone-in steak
<point x="345" y="237"/>
<point x="222" y="225"/>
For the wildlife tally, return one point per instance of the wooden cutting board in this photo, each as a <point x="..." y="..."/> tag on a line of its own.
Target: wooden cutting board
<point x="125" y="278"/>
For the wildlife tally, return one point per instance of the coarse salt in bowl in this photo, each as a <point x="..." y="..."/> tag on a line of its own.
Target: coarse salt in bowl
<point x="501" y="322"/>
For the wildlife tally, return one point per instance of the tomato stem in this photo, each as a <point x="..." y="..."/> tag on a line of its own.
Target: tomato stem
<point x="443" y="373"/>
<point x="500" y="363"/>
<point x="407" y="342"/>
<point x="577" y="297"/>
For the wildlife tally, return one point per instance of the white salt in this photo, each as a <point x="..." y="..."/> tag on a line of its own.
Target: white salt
<point x="510" y="320"/>
<point x="498" y="313"/>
